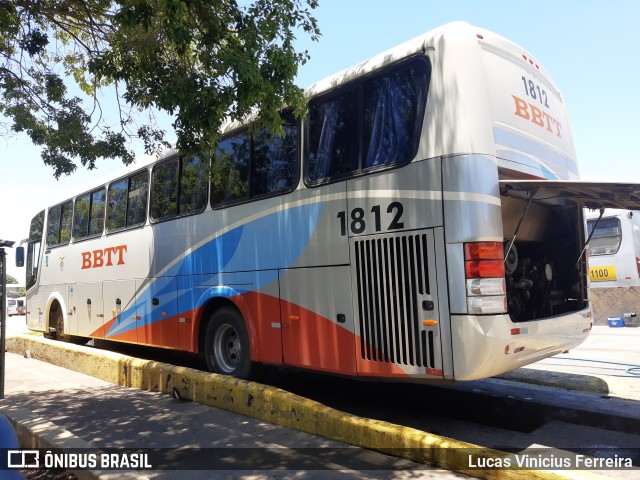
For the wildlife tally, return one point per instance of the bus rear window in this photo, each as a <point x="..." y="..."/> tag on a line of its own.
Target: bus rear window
<point x="607" y="237"/>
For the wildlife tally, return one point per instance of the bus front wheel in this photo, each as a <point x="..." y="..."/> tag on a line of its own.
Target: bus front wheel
<point x="57" y="320"/>
<point x="227" y="348"/>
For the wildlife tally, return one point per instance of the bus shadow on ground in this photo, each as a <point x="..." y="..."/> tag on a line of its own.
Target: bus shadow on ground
<point x="569" y="381"/>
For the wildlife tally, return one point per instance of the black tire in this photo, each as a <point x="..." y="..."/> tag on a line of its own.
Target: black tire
<point x="227" y="349"/>
<point x="57" y="320"/>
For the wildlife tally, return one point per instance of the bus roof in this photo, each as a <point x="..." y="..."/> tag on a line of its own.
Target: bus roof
<point x="454" y="30"/>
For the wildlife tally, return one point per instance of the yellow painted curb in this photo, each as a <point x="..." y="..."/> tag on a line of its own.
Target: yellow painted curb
<point x="276" y="406"/>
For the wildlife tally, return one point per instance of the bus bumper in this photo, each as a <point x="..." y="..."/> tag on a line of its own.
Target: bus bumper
<point x="484" y="346"/>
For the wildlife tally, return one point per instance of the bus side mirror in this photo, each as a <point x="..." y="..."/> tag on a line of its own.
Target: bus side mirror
<point x="19" y="256"/>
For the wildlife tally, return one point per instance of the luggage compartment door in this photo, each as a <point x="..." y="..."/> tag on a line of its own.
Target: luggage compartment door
<point x="317" y="319"/>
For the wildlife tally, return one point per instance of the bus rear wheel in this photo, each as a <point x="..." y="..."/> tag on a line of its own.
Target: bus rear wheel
<point x="227" y="348"/>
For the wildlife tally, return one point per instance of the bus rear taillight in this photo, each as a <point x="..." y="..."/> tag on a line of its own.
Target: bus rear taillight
<point x="484" y="271"/>
<point x="483" y="251"/>
<point x="484" y="268"/>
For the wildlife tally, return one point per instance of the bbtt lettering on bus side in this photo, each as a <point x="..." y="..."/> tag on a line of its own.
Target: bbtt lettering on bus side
<point x="104" y="257"/>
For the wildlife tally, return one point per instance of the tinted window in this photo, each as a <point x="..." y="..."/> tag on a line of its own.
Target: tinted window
<point x="88" y="216"/>
<point x="246" y="168"/>
<point x="96" y="219"/>
<point x="137" y="209"/>
<point x="334" y="136"/>
<point x="164" y="190"/>
<point x="371" y="124"/>
<point x="607" y="237"/>
<point x="391" y="123"/>
<point x="53" y="226"/>
<point x="66" y="222"/>
<point x="33" y="249"/>
<point x="59" y="224"/>
<point x="127" y="201"/>
<point x="193" y="186"/>
<point x="33" y="260"/>
<point x="35" y="229"/>
<point x="274" y="166"/>
<point x="81" y="216"/>
<point x="179" y="187"/>
<point x="230" y="170"/>
<point x="117" y="205"/>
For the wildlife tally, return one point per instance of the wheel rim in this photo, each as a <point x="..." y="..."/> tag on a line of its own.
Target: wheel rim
<point x="227" y="348"/>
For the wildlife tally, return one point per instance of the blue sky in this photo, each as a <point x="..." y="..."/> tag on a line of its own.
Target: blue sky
<point x="590" y="48"/>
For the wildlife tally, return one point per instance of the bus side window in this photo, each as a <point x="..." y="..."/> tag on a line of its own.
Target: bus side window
<point x="178" y="187"/>
<point x="65" y="222"/>
<point x="230" y="171"/>
<point x="137" y="208"/>
<point x="374" y="123"/>
<point x="53" y="225"/>
<point x="81" y="216"/>
<point x="127" y="201"/>
<point x="333" y="138"/>
<point x="164" y="190"/>
<point x="193" y="186"/>
<point x="96" y="217"/>
<point x="392" y="114"/>
<point x="274" y="163"/>
<point x="88" y="216"/>
<point x="117" y="205"/>
<point x="59" y="224"/>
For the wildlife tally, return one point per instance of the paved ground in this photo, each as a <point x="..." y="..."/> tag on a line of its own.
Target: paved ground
<point x="607" y="351"/>
<point x="607" y="362"/>
<point x="75" y="410"/>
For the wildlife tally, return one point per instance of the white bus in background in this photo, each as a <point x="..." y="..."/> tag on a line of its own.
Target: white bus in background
<point x="12" y="306"/>
<point x="15" y="306"/>
<point x="424" y="222"/>
<point x="614" y="248"/>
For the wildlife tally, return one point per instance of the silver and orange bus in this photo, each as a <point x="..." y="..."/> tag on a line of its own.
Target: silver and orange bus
<point x="423" y="222"/>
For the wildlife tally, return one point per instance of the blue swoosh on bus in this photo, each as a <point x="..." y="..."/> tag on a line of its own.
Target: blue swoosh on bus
<point x="267" y="242"/>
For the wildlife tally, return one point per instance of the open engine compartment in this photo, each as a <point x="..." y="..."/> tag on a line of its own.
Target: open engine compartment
<point x="544" y="271"/>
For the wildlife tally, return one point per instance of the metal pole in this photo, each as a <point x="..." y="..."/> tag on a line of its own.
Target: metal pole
<point x="3" y="317"/>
